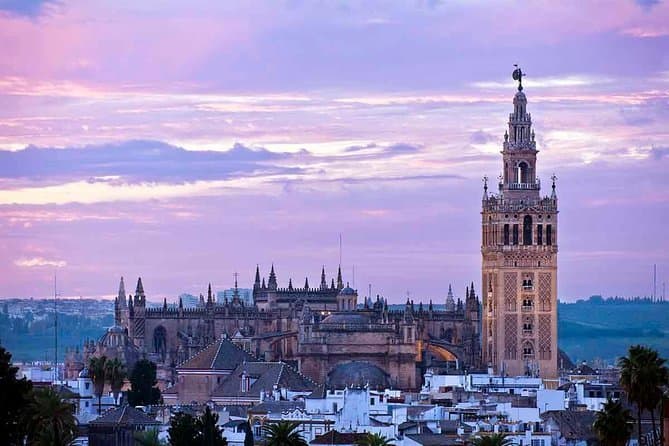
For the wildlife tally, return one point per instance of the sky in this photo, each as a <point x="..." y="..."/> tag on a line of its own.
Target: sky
<point x="185" y="141"/>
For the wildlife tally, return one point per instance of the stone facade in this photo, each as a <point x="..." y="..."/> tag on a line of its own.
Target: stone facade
<point x="519" y="260"/>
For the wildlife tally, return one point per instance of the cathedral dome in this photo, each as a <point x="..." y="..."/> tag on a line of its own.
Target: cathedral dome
<point x="348" y="291"/>
<point x="346" y="318"/>
<point x="358" y="374"/>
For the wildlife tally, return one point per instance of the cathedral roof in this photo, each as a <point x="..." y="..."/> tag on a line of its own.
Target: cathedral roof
<point x="346" y="318"/>
<point x="219" y="355"/>
<point x="348" y="291"/>
<point x="358" y="374"/>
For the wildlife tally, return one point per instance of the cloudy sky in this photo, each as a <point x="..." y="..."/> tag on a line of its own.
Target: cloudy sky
<point x="184" y="141"/>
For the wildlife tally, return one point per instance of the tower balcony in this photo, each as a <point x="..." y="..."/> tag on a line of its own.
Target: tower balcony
<point x="525" y="186"/>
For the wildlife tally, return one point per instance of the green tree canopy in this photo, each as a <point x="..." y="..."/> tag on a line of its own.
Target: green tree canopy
<point x="51" y="420"/>
<point x="613" y="424"/>
<point x="15" y="395"/>
<point x="115" y="374"/>
<point x="283" y="433"/>
<point x="209" y="433"/>
<point x="643" y="373"/>
<point x="98" y="373"/>
<point x="492" y="440"/>
<point x="182" y="430"/>
<point x="143" y="390"/>
<point x="374" y="440"/>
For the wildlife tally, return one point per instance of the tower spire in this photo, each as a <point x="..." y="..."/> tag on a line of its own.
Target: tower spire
<point x="324" y="284"/>
<point x="271" y="283"/>
<point x="121" y="293"/>
<point x="256" y="283"/>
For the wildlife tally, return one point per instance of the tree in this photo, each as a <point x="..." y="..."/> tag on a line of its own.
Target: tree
<point x="492" y="440"/>
<point x="51" y="420"/>
<point x="248" y="434"/>
<point x="147" y="438"/>
<point x="182" y="430"/>
<point x="375" y="440"/>
<point x="642" y="375"/>
<point x="115" y="374"/>
<point x="612" y="424"/>
<point x="283" y="433"/>
<point x="209" y="433"/>
<point x="98" y="372"/>
<point x="142" y="384"/>
<point x="15" y="397"/>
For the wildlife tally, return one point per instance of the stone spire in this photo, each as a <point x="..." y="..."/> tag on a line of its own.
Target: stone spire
<point x="121" y="294"/>
<point x="256" y="284"/>
<point x="340" y="282"/>
<point x="450" y="301"/>
<point x="271" y="283"/>
<point x="324" y="284"/>
<point x="209" y="295"/>
<point x="140" y="288"/>
<point x="306" y="283"/>
<point x="290" y="284"/>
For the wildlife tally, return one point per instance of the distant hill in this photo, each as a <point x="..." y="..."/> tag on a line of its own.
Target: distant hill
<point x="604" y="329"/>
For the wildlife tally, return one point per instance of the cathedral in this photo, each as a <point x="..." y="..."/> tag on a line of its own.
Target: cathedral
<point x="327" y="335"/>
<point x="316" y="329"/>
<point x="519" y="258"/>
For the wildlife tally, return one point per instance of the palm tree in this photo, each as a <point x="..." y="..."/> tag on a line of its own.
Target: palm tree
<point x="147" y="438"/>
<point x="374" y="440"/>
<point x="115" y="374"/>
<point x="52" y="420"/>
<point x="612" y="424"/>
<point x="642" y="375"/>
<point x="283" y="433"/>
<point x="98" y="372"/>
<point x="491" y="440"/>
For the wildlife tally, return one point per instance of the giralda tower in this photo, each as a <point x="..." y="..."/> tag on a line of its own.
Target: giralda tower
<point x="519" y="258"/>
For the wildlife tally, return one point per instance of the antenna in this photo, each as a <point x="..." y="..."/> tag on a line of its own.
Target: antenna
<point x="340" y="249"/>
<point x="654" y="282"/>
<point x="55" y="328"/>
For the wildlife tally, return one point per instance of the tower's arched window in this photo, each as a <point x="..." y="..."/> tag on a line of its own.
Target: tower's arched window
<point x="527" y="230"/>
<point x="506" y="234"/>
<point x="515" y="234"/>
<point x="540" y="234"/>
<point x="528" y="350"/>
<point x="549" y="234"/>
<point x="523" y="172"/>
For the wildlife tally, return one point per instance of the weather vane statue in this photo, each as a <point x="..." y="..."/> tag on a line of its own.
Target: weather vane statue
<point x="518" y="76"/>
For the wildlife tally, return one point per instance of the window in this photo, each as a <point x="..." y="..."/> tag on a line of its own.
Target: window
<point x="527" y="304"/>
<point x="515" y="234"/>
<point x="527" y="230"/>
<point x="506" y="234"/>
<point x="540" y="234"/>
<point x="527" y="284"/>
<point x="372" y="402"/>
<point x="88" y="385"/>
<point x="528" y="351"/>
<point x="549" y="235"/>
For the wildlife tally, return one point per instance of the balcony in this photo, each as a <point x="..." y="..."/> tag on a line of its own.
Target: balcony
<point x="527" y="332"/>
<point x="528" y="287"/>
<point x="527" y="308"/>
<point x="525" y="186"/>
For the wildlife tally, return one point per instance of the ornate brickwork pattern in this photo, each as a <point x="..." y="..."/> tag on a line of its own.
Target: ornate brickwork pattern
<point x="510" y="290"/>
<point x="544" y="336"/>
<point x="545" y="291"/>
<point x="510" y="336"/>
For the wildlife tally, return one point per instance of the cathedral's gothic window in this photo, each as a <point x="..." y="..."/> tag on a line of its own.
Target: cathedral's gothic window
<point x="515" y="234"/>
<point x="527" y="230"/>
<point x="540" y="234"/>
<point x="160" y="341"/>
<point x="506" y="234"/>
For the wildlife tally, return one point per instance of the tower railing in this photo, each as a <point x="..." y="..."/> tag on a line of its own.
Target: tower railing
<point x="525" y="186"/>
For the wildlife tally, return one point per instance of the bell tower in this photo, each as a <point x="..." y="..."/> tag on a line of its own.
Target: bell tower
<point x="519" y="258"/>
